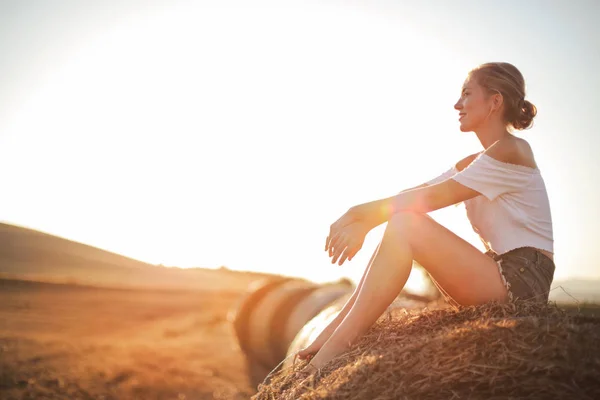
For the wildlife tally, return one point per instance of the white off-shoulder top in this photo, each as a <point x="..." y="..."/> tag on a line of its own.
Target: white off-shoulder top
<point x="513" y="209"/>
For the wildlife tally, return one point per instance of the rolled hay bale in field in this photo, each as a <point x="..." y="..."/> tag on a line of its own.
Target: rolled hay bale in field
<point x="494" y="351"/>
<point x="309" y="307"/>
<point x="239" y="316"/>
<point x="272" y="312"/>
<point x="268" y="320"/>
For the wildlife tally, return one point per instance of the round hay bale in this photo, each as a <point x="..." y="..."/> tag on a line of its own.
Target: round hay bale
<point x="272" y="312"/>
<point x="494" y="351"/>
<point x="267" y="320"/>
<point x="239" y="316"/>
<point x="311" y="330"/>
<point x="312" y="305"/>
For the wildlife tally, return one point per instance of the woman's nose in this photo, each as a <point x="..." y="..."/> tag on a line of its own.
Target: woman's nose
<point x="458" y="105"/>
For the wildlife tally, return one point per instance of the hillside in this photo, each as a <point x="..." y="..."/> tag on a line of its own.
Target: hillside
<point x="32" y="255"/>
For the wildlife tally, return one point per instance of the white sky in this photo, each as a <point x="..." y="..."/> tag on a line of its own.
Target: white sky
<point x="218" y="133"/>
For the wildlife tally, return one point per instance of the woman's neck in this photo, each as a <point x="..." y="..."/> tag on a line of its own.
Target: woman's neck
<point x="488" y="135"/>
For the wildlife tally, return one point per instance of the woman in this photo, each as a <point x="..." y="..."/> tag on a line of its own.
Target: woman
<point x="506" y="203"/>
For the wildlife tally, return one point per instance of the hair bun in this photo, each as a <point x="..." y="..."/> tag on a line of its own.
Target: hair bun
<point x="525" y="114"/>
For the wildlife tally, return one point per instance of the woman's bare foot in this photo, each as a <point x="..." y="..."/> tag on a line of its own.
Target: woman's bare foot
<point x="309" y="351"/>
<point x="326" y="354"/>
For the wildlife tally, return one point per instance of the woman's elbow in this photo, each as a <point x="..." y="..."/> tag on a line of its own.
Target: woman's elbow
<point x="433" y="200"/>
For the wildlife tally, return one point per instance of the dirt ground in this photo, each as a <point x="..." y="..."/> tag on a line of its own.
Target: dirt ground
<point x="60" y="341"/>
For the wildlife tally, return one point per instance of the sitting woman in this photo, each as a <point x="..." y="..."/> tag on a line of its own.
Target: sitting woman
<point x="507" y="205"/>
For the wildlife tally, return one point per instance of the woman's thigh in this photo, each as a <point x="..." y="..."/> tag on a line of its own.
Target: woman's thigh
<point x="463" y="272"/>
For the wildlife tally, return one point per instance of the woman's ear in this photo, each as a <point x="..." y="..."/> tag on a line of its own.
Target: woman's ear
<point x="497" y="101"/>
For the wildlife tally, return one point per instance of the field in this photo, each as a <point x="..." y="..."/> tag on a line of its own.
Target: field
<point x="76" y="342"/>
<point x="114" y="328"/>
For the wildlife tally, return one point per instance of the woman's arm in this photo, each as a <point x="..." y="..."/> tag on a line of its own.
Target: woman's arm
<point x="347" y="233"/>
<point x="375" y="213"/>
<point x="420" y="200"/>
<point x="425" y="198"/>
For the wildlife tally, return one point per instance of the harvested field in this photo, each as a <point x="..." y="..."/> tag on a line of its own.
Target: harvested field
<point x="164" y="334"/>
<point x="487" y="352"/>
<point x="60" y="341"/>
<point x="80" y="342"/>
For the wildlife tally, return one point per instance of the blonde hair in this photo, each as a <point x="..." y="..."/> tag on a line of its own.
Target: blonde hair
<point x="506" y="79"/>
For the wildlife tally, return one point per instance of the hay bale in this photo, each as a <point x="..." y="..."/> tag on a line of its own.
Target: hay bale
<point x="269" y="315"/>
<point x="493" y="351"/>
<point x="311" y="306"/>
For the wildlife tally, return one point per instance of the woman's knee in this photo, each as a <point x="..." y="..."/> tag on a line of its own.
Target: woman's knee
<point x="406" y="222"/>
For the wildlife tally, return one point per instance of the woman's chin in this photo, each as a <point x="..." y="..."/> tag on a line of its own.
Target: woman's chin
<point x="465" y="128"/>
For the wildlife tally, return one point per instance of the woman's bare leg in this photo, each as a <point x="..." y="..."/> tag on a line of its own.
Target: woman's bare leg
<point x="326" y="333"/>
<point x="465" y="273"/>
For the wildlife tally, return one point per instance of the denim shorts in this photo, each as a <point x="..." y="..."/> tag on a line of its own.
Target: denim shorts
<point x="527" y="273"/>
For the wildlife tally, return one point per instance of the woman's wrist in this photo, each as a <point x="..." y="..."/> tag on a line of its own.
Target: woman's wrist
<point x="369" y="214"/>
<point x="354" y="212"/>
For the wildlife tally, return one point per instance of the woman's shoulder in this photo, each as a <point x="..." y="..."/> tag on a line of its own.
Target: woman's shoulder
<point x="512" y="150"/>
<point x="464" y="163"/>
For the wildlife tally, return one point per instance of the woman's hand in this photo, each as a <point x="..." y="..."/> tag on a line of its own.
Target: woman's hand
<point x="347" y="242"/>
<point x="349" y="217"/>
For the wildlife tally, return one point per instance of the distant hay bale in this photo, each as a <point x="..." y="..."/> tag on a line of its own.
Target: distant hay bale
<point x="493" y="351"/>
<point x="270" y="314"/>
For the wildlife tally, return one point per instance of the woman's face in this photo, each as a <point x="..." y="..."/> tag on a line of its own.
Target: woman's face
<point x="474" y="106"/>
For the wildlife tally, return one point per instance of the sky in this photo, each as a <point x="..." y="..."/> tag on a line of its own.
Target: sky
<point x="233" y="133"/>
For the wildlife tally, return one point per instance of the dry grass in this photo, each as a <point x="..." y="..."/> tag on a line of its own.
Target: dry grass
<point x="494" y="351"/>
